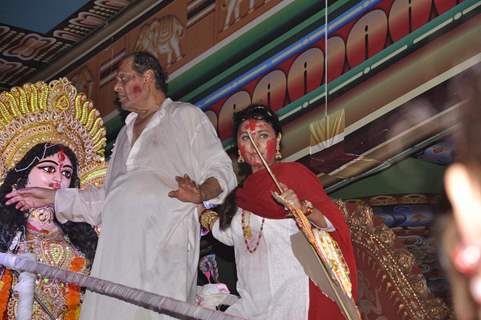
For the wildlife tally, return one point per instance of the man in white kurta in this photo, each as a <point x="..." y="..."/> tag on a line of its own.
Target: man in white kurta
<point x="149" y="235"/>
<point x="148" y="240"/>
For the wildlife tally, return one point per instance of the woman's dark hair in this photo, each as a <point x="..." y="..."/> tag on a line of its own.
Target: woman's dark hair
<point x="143" y="61"/>
<point x="82" y="235"/>
<point x="228" y="209"/>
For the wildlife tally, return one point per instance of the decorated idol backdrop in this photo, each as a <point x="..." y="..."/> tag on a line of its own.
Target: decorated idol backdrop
<point x="411" y="217"/>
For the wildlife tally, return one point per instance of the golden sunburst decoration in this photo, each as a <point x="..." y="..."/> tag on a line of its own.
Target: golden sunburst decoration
<point x="56" y="113"/>
<point x="327" y="131"/>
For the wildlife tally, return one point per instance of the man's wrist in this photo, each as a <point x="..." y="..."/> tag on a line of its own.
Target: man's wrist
<point x="201" y="194"/>
<point x="203" y="199"/>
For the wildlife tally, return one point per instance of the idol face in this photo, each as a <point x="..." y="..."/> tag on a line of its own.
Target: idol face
<point x="265" y="138"/>
<point x="52" y="172"/>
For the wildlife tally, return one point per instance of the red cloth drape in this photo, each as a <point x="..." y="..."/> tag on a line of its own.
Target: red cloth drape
<point x="256" y="196"/>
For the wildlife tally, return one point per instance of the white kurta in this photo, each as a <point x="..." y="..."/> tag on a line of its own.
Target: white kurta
<point x="271" y="282"/>
<point x="148" y="240"/>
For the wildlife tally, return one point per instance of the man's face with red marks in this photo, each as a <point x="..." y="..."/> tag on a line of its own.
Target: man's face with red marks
<point x="130" y="87"/>
<point x="265" y="138"/>
<point x="52" y="172"/>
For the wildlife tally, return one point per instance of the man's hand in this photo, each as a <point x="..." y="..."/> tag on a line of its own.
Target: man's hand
<point x="28" y="198"/>
<point x="188" y="190"/>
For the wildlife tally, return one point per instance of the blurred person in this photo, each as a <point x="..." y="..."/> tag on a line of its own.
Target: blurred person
<point x="462" y="240"/>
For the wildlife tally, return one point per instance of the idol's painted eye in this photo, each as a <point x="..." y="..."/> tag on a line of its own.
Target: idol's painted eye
<point x="67" y="173"/>
<point x="47" y="168"/>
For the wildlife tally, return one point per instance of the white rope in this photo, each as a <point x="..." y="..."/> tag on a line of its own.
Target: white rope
<point x="151" y="301"/>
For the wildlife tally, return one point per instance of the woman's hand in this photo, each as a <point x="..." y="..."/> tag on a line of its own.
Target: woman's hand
<point x="29" y="198"/>
<point x="288" y="198"/>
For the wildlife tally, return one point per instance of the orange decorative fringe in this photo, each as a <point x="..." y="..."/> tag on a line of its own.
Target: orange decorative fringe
<point x="73" y="291"/>
<point x="77" y="264"/>
<point x="5" y="284"/>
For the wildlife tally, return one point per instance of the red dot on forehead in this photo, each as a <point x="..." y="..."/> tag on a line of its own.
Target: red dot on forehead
<point x="61" y="159"/>
<point x="137" y="89"/>
<point x="61" y="155"/>
<point x="251" y="124"/>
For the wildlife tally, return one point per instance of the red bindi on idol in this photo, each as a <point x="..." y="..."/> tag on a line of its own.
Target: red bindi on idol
<point x="61" y="156"/>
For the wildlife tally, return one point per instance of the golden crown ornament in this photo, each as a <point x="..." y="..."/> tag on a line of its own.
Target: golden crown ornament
<point x="55" y="113"/>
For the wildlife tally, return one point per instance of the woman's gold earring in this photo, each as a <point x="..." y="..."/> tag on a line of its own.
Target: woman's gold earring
<point x="240" y="159"/>
<point x="278" y="155"/>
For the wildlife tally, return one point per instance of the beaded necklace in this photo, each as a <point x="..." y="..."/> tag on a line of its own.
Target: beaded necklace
<point x="247" y="231"/>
